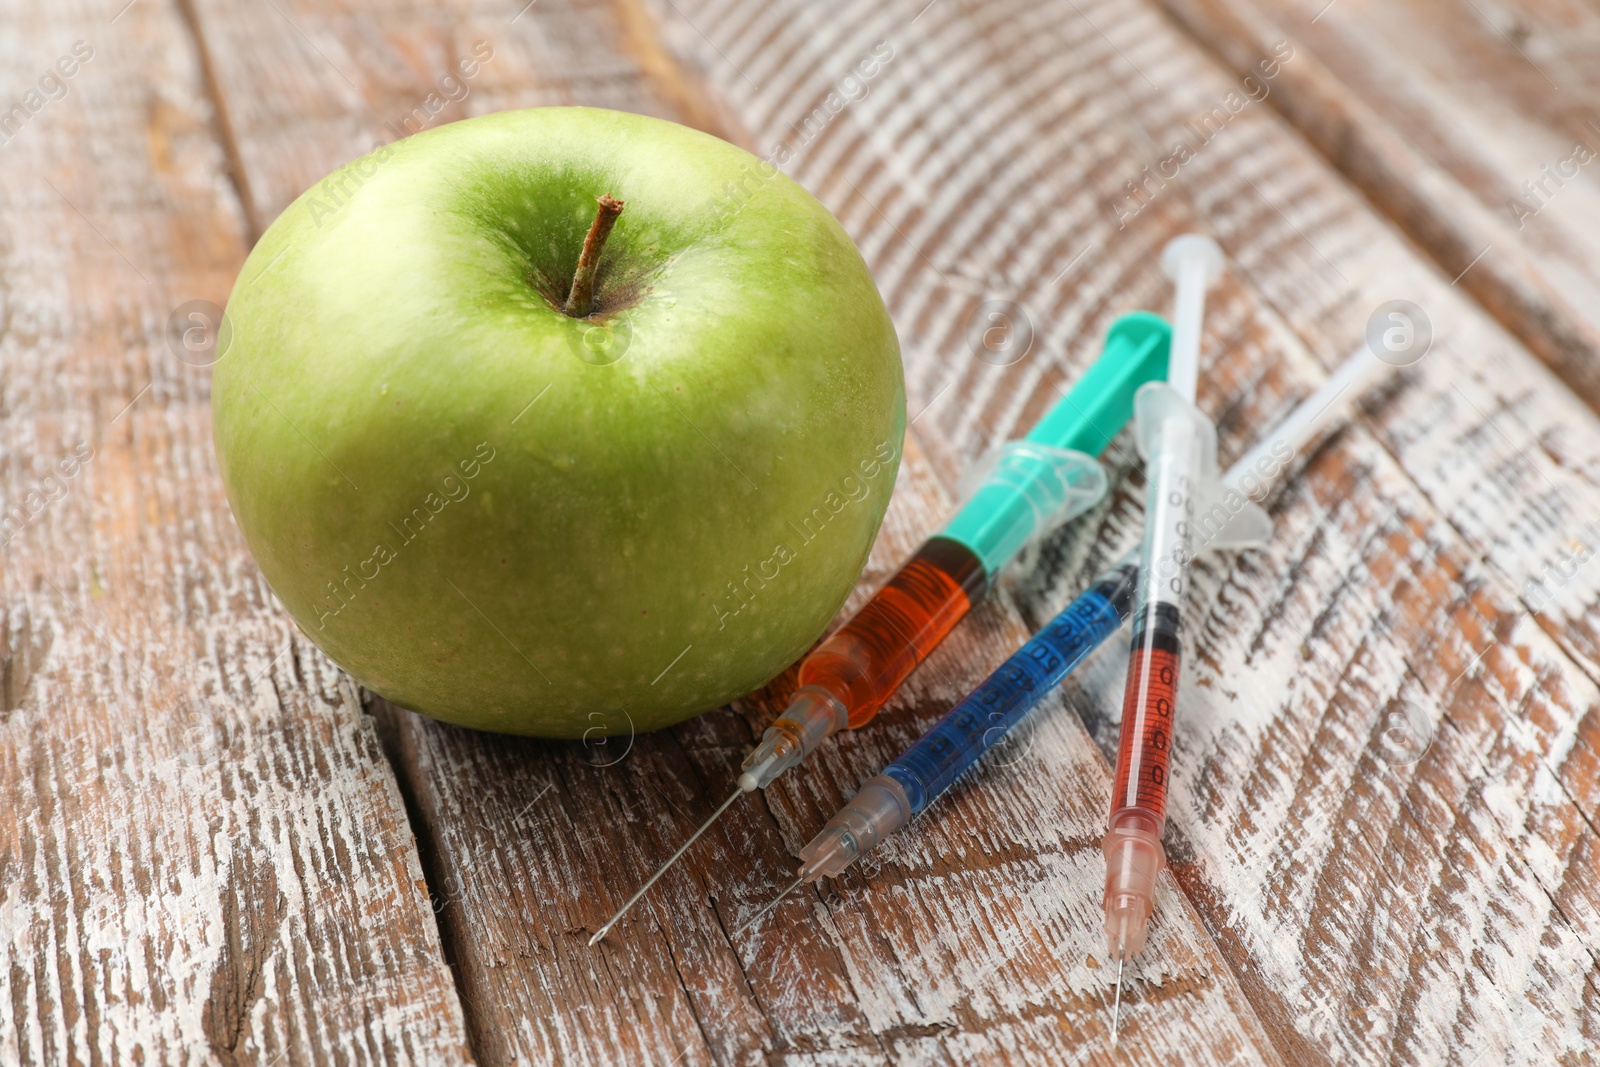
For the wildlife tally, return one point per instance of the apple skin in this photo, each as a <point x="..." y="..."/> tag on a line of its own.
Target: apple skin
<point x="653" y="536"/>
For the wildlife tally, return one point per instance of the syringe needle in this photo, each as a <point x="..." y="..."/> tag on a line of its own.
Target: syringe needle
<point x="654" y="878"/>
<point x="1116" y="1005"/>
<point x="773" y="903"/>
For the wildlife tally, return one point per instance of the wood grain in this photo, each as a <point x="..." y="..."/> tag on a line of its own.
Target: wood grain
<point x="203" y="854"/>
<point x="1463" y="123"/>
<point x="1372" y="912"/>
<point x="1470" y="93"/>
<point x="210" y="861"/>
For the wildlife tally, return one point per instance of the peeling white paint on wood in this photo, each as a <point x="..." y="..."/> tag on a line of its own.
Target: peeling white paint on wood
<point x="1284" y="806"/>
<point x="203" y="854"/>
<point x="1326" y="904"/>
<point x="1444" y="117"/>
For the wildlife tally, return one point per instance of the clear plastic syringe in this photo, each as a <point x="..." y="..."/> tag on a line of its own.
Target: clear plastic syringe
<point x="1179" y="445"/>
<point x="1048" y="477"/>
<point x="924" y="771"/>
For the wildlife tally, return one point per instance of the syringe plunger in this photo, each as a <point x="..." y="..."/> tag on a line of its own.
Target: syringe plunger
<point x="1193" y="261"/>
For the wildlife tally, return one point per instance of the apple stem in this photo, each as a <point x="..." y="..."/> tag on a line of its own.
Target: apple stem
<point x="580" y="301"/>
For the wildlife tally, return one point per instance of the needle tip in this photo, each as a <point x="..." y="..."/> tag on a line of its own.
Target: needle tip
<point x="661" y="870"/>
<point x="1116" y="1007"/>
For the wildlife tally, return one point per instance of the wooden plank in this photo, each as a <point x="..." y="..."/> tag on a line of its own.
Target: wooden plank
<point x="203" y="853"/>
<point x="1472" y="126"/>
<point x="1384" y="83"/>
<point x="532" y="844"/>
<point x="306" y="90"/>
<point x="1004" y="142"/>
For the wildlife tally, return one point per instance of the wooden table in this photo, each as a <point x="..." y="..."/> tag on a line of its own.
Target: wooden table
<point x="215" y="847"/>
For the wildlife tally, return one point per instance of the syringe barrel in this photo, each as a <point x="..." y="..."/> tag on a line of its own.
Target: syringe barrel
<point x="983" y="719"/>
<point x="1173" y="440"/>
<point x="1179" y="447"/>
<point x="863" y="662"/>
<point x="1050" y="473"/>
<point x="1144" y="749"/>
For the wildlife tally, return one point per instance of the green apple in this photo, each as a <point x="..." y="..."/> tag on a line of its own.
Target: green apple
<point x="503" y="515"/>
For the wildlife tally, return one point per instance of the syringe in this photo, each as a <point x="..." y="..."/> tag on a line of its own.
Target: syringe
<point x="1048" y="477"/>
<point x="927" y="769"/>
<point x="1179" y="445"/>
